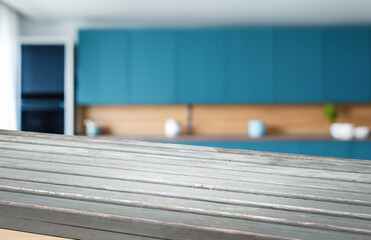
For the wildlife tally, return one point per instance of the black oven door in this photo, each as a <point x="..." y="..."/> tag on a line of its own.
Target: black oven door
<point x="44" y="115"/>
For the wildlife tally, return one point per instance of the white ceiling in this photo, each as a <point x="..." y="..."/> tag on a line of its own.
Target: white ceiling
<point x="204" y="12"/>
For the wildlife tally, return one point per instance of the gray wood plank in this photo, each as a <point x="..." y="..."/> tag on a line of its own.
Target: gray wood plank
<point x="185" y="181"/>
<point x="202" y="172"/>
<point x="94" y="153"/>
<point x="257" y="157"/>
<point x="116" y="216"/>
<point x="226" y="206"/>
<point x="86" y="233"/>
<point x="153" y="189"/>
<point x="86" y="188"/>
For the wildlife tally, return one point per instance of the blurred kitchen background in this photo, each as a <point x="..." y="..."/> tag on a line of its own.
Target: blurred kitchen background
<point x="270" y="75"/>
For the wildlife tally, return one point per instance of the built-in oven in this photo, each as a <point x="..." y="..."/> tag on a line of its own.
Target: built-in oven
<point x="42" y="88"/>
<point x="43" y="115"/>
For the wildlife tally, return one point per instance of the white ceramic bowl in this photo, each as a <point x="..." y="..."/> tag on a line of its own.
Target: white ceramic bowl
<point x="342" y="131"/>
<point x="361" y="132"/>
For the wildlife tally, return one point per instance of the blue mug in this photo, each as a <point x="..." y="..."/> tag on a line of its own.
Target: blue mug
<point x="256" y="128"/>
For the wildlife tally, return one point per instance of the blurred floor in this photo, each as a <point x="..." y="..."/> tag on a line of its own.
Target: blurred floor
<point x="14" y="235"/>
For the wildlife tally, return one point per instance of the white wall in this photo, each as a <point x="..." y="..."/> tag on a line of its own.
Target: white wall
<point x="9" y="30"/>
<point x="48" y="29"/>
<point x="65" y="28"/>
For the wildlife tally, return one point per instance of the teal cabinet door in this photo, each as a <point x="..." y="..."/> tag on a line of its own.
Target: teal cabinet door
<point x="267" y="146"/>
<point x="280" y="147"/>
<point x="346" y="65"/>
<point x="338" y="149"/>
<point x="152" y="67"/>
<point x="346" y="149"/>
<point x="297" y="65"/>
<point x="326" y="148"/>
<point x="361" y="150"/>
<point x="87" y="87"/>
<point x="315" y="148"/>
<point x="114" y="68"/>
<point x="249" y="65"/>
<point x="201" y="66"/>
<point x="103" y="67"/>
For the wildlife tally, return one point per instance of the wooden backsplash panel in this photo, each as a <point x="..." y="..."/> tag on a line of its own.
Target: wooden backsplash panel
<point x="131" y="119"/>
<point x="284" y="119"/>
<point x="278" y="119"/>
<point x="221" y="119"/>
<point x="359" y="114"/>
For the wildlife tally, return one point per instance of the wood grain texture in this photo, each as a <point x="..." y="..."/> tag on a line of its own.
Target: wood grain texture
<point x="222" y="119"/>
<point x="96" y="188"/>
<point x="131" y="119"/>
<point x="279" y="119"/>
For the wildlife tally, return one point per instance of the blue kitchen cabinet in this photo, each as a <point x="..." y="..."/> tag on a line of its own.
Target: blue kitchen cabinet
<point x="361" y="150"/>
<point x="217" y="144"/>
<point x="152" y="66"/>
<point x="325" y="148"/>
<point x="103" y="72"/>
<point x="339" y="149"/>
<point x="249" y="65"/>
<point x="224" y="66"/>
<point x="317" y="148"/>
<point x="270" y="146"/>
<point x="346" y="64"/>
<point x="114" y="68"/>
<point x="273" y="146"/>
<point x="87" y="67"/>
<point x="201" y="66"/>
<point x="297" y="65"/>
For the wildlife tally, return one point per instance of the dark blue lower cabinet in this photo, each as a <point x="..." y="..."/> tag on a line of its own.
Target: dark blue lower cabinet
<point x="351" y="149"/>
<point x="281" y="147"/>
<point x="312" y="148"/>
<point x="361" y="150"/>
<point x="325" y="148"/>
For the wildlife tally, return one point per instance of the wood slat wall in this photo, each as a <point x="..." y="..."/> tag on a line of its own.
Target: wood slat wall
<point x="93" y="189"/>
<point x="222" y="119"/>
<point x="283" y="119"/>
<point x="131" y="119"/>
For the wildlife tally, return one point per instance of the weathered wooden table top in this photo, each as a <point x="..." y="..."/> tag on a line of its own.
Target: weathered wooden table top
<point x="84" y="188"/>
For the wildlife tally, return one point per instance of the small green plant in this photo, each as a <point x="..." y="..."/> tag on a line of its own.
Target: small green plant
<point x="331" y="112"/>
